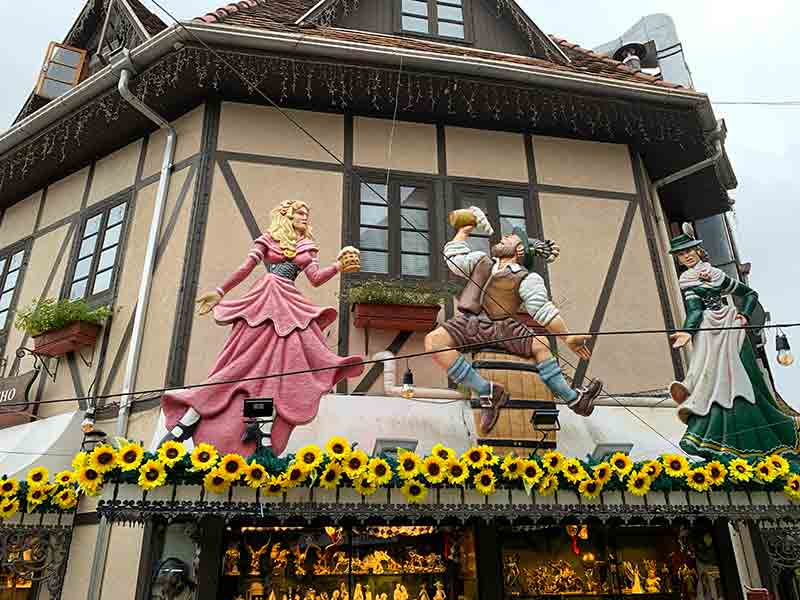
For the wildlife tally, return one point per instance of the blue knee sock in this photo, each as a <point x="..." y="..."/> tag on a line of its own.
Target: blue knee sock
<point x="550" y="373"/>
<point x="461" y="372"/>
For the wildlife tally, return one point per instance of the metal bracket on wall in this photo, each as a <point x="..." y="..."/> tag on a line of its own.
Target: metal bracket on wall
<point x="39" y="361"/>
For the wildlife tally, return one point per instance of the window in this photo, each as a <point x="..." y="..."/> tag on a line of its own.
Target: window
<point x="443" y="18"/>
<point x="395" y="239"/>
<point x="119" y="32"/>
<point x="716" y="240"/>
<point x="11" y="265"/>
<point x="505" y="210"/>
<point x="97" y="257"/>
<point x="61" y="71"/>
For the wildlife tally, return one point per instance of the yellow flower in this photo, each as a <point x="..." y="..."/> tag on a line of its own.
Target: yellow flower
<point x="356" y="463"/>
<point x="433" y="469"/>
<point x="573" y="470"/>
<point x="103" y="458"/>
<point x="216" y="482"/>
<point x="475" y="457"/>
<point x="364" y="486"/>
<point x="65" y="477"/>
<point x="408" y="464"/>
<point x="130" y="456"/>
<point x="590" y="488"/>
<point x="698" y="479"/>
<point x="309" y="457"/>
<point x="66" y="499"/>
<point x="37" y="494"/>
<point x="331" y="476"/>
<point x="621" y="463"/>
<point x="675" y="465"/>
<point x="740" y="470"/>
<point x="547" y="485"/>
<point x="9" y="487"/>
<point x="716" y="472"/>
<point x="414" y="491"/>
<point x="491" y="457"/>
<point x="338" y="447"/>
<point x="485" y="482"/>
<point x="511" y="467"/>
<point x="171" y="452"/>
<point x="552" y="461"/>
<point x="781" y="464"/>
<point x="152" y="474"/>
<point x="379" y="472"/>
<point x="79" y="460"/>
<point x="255" y="475"/>
<point x="38" y="476"/>
<point x="652" y="469"/>
<point x="457" y="472"/>
<point x="296" y="475"/>
<point x="531" y="472"/>
<point x="232" y="466"/>
<point x="203" y="457"/>
<point x="602" y="473"/>
<point x="638" y="483"/>
<point x="765" y="471"/>
<point x="9" y="508"/>
<point x="792" y="487"/>
<point x="443" y="452"/>
<point x="276" y="485"/>
<point x="89" y="479"/>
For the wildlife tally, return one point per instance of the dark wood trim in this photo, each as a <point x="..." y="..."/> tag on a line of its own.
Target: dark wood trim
<point x="346" y="238"/>
<point x="76" y="379"/>
<point x="40" y="210"/>
<point x="585" y="192"/>
<point x="489" y="565"/>
<point x="25" y="245"/>
<point x="146" y="560"/>
<point x="281" y="161"/>
<point x="517" y="443"/>
<point x="377" y="369"/>
<point x="184" y="309"/>
<point x="607" y="289"/>
<point x="88" y="187"/>
<point x="762" y="558"/>
<point x="178" y="166"/>
<point x="211" y="549"/>
<point x="142" y="158"/>
<point x="89" y="518"/>
<point x="239" y="199"/>
<point x="534" y="215"/>
<point x="729" y="571"/>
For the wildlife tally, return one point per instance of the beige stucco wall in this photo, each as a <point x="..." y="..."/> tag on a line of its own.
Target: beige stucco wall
<point x="122" y="564"/>
<point x="255" y="129"/>
<point x="190" y="131"/>
<point x="19" y="220"/>
<point x="115" y="172"/>
<point x="413" y="145"/>
<point x="575" y="163"/>
<point x="485" y="154"/>
<point x="64" y="197"/>
<point x="79" y="565"/>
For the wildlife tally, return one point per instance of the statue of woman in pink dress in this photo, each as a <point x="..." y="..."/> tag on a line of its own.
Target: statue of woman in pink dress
<point x="275" y="329"/>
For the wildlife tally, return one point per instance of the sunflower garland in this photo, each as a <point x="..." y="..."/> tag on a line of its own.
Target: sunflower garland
<point x="740" y="470"/>
<point x="309" y="457"/>
<point x="621" y="464"/>
<point x="152" y="474"/>
<point x="639" y="483"/>
<point x="590" y="488"/>
<point x="130" y="456"/>
<point x="602" y="473"/>
<point x="379" y="471"/>
<point x="414" y="491"/>
<point x="37" y="476"/>
<point x="203" y="457"/>
<point x="408" y="464"/>
<point x="485" y="482"/>
<point x="103" y="458"/>
<point x="338" y="447"/>
<point x="171" y="452"/>
<point x="9" y="487"/>
<point x="574" y="471"/>
<point x="355" y="464"/>
<point x="433" y="469"/>
<point x="216" y="482"/>
<point x="511" y="467"/>
<point x="457" y="472"/>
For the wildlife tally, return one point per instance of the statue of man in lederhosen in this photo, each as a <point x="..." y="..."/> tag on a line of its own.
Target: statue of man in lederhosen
<point x="498" y="287"/>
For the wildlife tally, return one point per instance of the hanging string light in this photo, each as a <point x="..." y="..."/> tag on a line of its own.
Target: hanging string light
<point x="785" y="356"/>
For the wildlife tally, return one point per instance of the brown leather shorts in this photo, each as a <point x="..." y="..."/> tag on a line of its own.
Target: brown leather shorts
<point x="469" y="329"/>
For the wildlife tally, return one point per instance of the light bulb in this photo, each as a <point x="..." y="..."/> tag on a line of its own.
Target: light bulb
<point x="786" y="358"/>
<point x="407" y="390"/>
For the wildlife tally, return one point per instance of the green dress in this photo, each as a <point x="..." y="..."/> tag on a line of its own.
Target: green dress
<point x="730" y="411"/>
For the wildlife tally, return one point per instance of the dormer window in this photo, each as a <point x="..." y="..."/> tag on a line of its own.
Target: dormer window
<point x="62" y="70"/>
<point x="439" y="18"/>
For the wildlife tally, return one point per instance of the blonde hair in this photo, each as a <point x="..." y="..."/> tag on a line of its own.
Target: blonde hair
<point x="281" y="228"/>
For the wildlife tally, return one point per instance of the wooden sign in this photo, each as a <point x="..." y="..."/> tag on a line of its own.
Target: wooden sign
<point x="14" y="401"/>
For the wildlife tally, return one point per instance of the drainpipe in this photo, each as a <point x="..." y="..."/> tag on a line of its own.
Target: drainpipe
<point x="140" y="316"/>
<point x="713" y="160"/>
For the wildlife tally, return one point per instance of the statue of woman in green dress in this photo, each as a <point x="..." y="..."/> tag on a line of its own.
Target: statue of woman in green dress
<point x="728" y="407"/>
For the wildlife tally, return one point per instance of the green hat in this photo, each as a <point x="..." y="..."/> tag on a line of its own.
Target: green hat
<point x="527" y="257"/>
<point x="683" y="242"/>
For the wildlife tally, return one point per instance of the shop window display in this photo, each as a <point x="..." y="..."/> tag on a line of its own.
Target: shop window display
<point x="359" y="563"/>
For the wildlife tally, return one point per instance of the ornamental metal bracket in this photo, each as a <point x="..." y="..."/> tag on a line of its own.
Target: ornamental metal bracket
<point x="783" y="547"/>
<point x="36" y="554"/>
<point x="39" y="361"/>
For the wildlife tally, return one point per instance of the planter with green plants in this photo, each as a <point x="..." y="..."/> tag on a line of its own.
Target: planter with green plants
<point x="382" y="304"/>
<point x="61" y="326"/>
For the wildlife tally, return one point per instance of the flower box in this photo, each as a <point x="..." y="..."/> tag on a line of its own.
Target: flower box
<point x="399" y="317"/>
<point x="74" y="336"/>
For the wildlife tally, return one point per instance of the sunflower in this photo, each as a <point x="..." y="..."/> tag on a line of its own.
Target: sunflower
<point x="38" y="476"/>
<point x="792" y="487"/>
<point x="457" y="472"/>
<point x="255" y="475"/>
<point x="547" y="485"/>
<point x="364" y="486"/>
<point x="638" y="483"/>
<point x="308" y="457"/>
<point x="716" y="472"/>
<point x="232" y="466"/>
<point x="740" y="470"/>
<point x="491" y="457"/>
<point x="573" y="470"/>
<point x="37" y="494"/>
<point x="130" y="456"/>
<point x="216" y="482"/>
<point x="89" y="479"/>
<point x="65" y="477"/>
<point x="531" y="472"/>
<point x="443" y="452"/>
<point x="602" y="473"/>
<point x="9" y="508"/>
<point x="590" y="488"/>
<point x="698" y="479"/>
<point x="338" y="447"/>
<point x="171" y="452"/>
<point x="9" y="487"/>
<point x="552" y="461"/>
<point x="203" y="457"/>
<point x="675" y="465"/>
<point x="275" y="486"/>
<point x="296" y="475"/>
<point x="781" y="464"/>
<point x="152" y="474"/>
<point x="621" y="463"/>
<point x="512" y="467"/>
<point x="408" y="464"/>
<point x="379" y="472"/>
<point x="356" y="463"/>
<point x="475" y="457"/>
<point x="66" y="499"/>
<point x="433" y="469"/>
<point x="79" y="460"/>
<point x="103" y="458"/>
<point x="652" y="469"/>
<point x="765" y="471"/>
<point x="414" y="491"/>
<point x="331" y="476"/>
<point x="484" y="482"/>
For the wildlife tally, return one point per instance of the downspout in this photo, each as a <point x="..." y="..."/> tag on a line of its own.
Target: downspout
<point x="691" y="169"/>
<point x="140" y="316"/>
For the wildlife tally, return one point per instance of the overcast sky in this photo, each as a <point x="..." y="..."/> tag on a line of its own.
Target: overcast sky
<point x="736" y="51"/>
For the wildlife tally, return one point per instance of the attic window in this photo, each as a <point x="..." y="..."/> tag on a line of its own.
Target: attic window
<point x="61" y="71"/>
<point x="440" y="18"/>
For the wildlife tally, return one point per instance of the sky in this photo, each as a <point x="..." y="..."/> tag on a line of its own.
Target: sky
<point x="737" y="51"/>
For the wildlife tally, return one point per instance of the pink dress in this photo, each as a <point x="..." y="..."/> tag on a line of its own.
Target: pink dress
<point x="275" y="330"/>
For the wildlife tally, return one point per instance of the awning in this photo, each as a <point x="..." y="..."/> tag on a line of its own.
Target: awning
<point x="51" y="443"/>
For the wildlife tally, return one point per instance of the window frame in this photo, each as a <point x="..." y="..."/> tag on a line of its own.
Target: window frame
<point x="492" y="192"/>
<point x="6" y="253"/>
<point x="48" y="60"/>
<point x="433" y="21"/>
